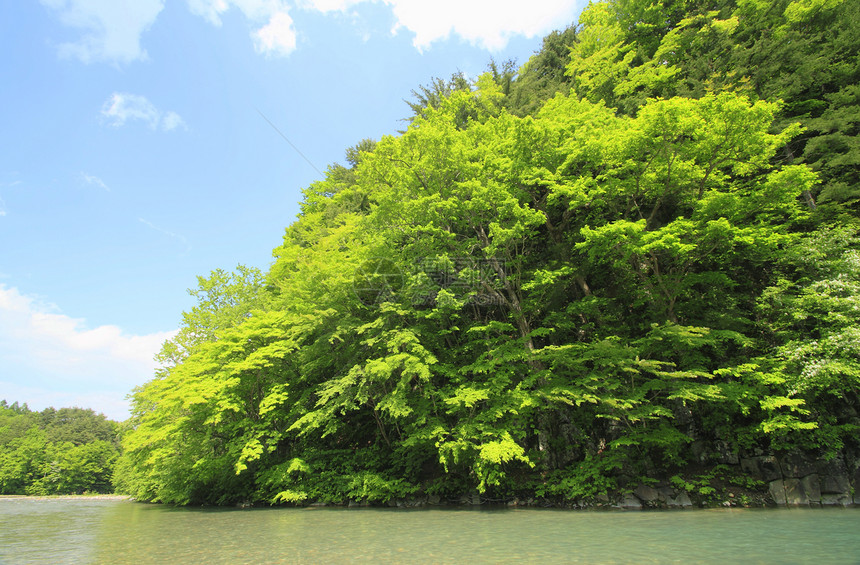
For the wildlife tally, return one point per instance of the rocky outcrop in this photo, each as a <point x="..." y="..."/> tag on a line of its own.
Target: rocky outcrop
<point x="647" y="494"/>
<point x="630" y="502"/>
<point x="792" y="479"/>
<point x="777" y="491"/>
<point x="682" y="500"/>
<point x="644" y="496"/>
<point x="796" y="479"/>
<point x="764" y="467"/>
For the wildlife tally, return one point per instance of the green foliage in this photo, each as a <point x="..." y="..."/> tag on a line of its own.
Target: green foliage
<point x="711" y="487"/>
<point x="628" y="51"/>
<point x="543" y="75"/>
<point x="65" y="451"/>
<point x="549" y="282"/>
<point x="583" y="481"/>
<point x="699" y="485"/>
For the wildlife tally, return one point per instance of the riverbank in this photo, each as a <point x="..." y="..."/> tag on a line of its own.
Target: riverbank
<point x="745" y="480"/>
<point x="66" y="497"/>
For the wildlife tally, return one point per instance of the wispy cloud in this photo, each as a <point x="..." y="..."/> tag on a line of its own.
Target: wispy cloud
<point x="172" y="121"/>
<point x="51" y="358"/>
<point x="123" y="107"/>
<point x="2" y="208"/>
<point x="168" y="233"/>
<point x="111" y="28"/>
<point x="94" y="180"/>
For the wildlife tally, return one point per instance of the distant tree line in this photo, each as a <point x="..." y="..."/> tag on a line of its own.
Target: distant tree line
<point x="65" y="451"/>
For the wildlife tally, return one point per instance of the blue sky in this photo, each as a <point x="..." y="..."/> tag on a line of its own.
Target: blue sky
<point x="134" y="157"/>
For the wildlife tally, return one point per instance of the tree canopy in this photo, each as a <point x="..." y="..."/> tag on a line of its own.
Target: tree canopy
<point x="554" y="280"/>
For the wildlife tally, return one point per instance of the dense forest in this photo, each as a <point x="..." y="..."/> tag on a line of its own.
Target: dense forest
<point x="65" y="451"/>
<point x="625" y="259"/>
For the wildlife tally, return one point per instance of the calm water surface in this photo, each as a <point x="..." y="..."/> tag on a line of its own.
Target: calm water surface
<point x="112" y="531"/>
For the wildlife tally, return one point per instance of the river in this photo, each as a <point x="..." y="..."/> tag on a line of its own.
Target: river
<point x="116" y="531"/>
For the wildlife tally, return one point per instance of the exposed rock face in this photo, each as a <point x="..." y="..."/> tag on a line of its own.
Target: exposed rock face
<point x="630" y="502"/>
<point x="777" y="491"/>
<point x="793" y="479"/>
<point x="680" y="501"/>
<point x="835" y="484"/>
<point x="794" y="493"/>
<point x="796" y="466"/>
<point x="797" y="479"/>
<point x="665" y="491"/>
<point x="647" y="494"/>
<point x="763" y="467"/>
<point x="857" y="485"/>
<point x="811" y="487"/>
<point x="836" y="500"/>
<point x="649" y="497"/>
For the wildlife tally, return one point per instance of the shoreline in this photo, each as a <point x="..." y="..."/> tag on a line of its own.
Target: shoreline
<point x="65" y="497"/>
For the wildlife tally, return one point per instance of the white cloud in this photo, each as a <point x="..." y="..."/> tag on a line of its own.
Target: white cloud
<point x="171" y="121"/>
<point x="123" y="107"/>
<point x="257" y="10"/>
<point x="277" y="37"/>
<point x="326" y="6"/>
<point x="209" y="9"/>
<point x="487" y="23"/>
<point x="94" y="180"/>
<point x="275" y="34"/>
<point x="2" y="208"/>
<point x="111" y="28"/>
<point x="50" y="358"/>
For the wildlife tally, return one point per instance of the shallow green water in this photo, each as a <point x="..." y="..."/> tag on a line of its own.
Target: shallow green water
<point x="110" y="531"/>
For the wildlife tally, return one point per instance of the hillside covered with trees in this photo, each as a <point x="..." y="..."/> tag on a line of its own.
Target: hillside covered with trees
<point x="626" y="259"/>
<point x="65" y="451"/>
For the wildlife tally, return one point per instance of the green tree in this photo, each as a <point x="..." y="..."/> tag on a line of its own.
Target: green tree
<point x="65" y="451"/>
<point x="543" y="75"/>
<point x="546" y="285"/>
